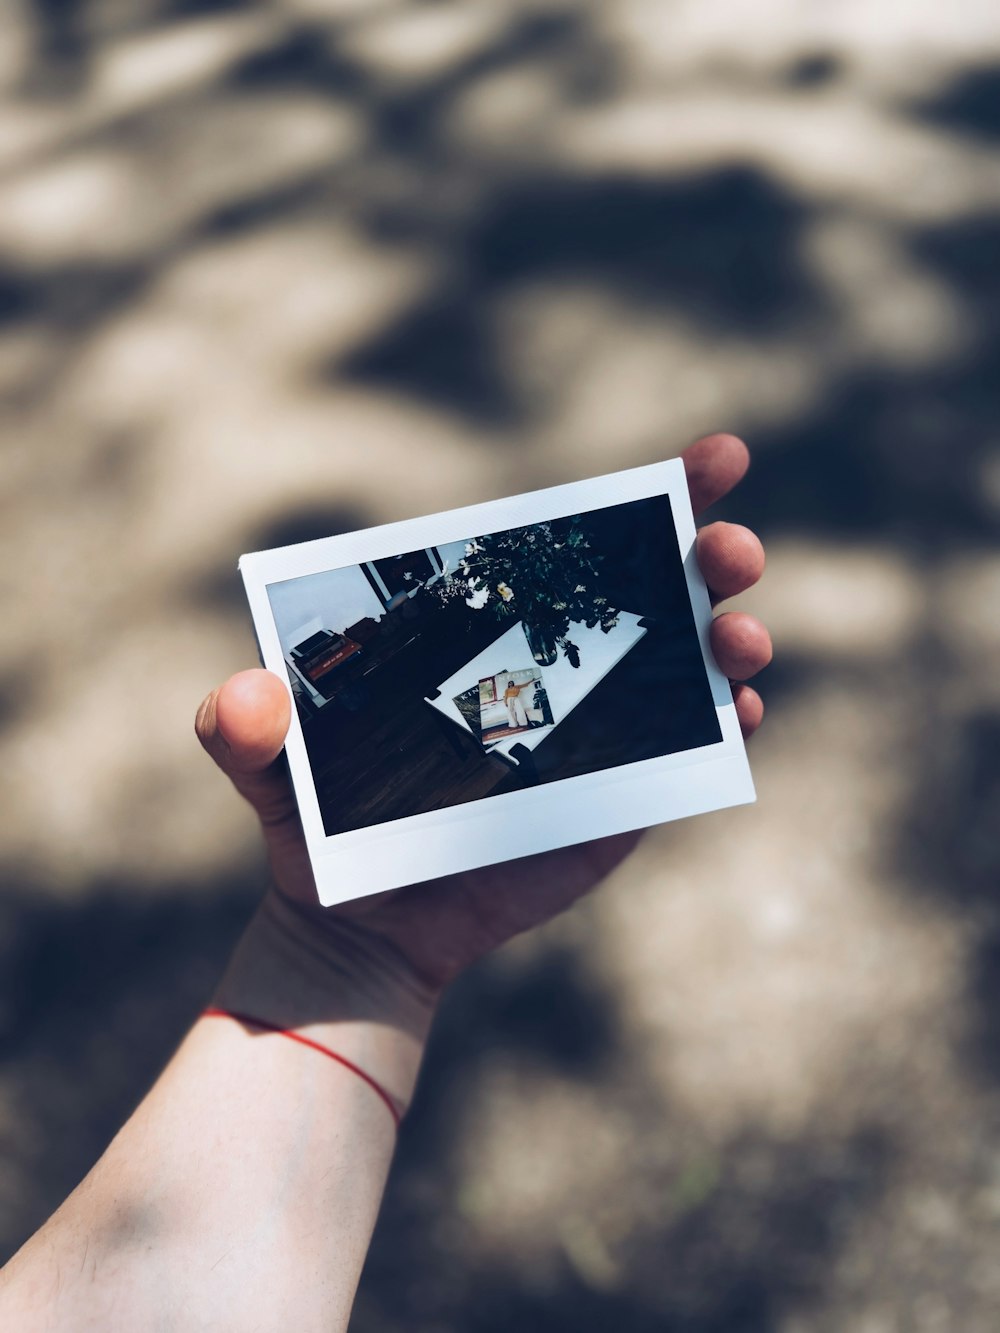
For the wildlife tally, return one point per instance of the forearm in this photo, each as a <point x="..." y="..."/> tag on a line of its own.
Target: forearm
<point x="243" y="1191"/>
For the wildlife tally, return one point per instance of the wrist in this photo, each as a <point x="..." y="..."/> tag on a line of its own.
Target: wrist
<point x="336" y="983"/>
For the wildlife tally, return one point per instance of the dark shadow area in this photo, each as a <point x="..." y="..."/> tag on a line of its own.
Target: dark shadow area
<point x="260" y="208"/>
<point x="69" y="297"/>
<point x="197" y="8"/>
<point x="950" y="838"/>
<point x="949" y="848"/>
<point x="963" y="254"/>
<point x="732" y="1242"/>
<point x="407" y="120"/>
<point x="223" y="589"/>
<point x="71" y="956"/>
<point x="67" y="33"/>
<point x="900" y="457"/>
<point x="970" y="106"/>
<point x="983" y="1044"/>
<point x="720" y="247"/>
<point x="14" y="695"/>
<point x="305" y="524"/>
<point x="94" y="996"/>
<point x="16" y="296"/>
<point x="443" y="351"/>
<point x="753" y="1239"/>
<point x="304" y="58"/>
<point x="62" y="49"/>
<point x="550" y="1010"/>
<point x="814" y="71"/>
<point x="901" y="460"/>
<point x="893" y="459"/>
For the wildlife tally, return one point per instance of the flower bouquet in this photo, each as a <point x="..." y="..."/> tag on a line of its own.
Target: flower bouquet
<point x="547" y="575"/>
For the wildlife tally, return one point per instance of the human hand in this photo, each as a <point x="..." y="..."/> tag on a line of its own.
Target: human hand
<point x="439" y="927"/>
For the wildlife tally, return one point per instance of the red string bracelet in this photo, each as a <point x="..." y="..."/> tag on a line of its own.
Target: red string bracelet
<point x="212" y="1012"/>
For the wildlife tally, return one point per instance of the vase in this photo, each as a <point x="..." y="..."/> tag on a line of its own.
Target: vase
<point x="542" y="643"/>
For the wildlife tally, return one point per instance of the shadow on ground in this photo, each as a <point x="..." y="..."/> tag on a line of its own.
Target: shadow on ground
<point x="732" y="1240"/>
<point x="665" y="244"/>
<point x="94" y="996"/>
<point x="718" y="1239"/>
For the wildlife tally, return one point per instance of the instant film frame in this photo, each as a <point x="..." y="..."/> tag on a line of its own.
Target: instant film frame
<point x="649" y="684"/>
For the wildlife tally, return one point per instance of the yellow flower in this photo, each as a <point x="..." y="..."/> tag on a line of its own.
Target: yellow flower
<point x="504" y="591"/>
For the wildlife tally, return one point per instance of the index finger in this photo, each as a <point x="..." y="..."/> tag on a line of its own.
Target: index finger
<point x="714" y="464"/>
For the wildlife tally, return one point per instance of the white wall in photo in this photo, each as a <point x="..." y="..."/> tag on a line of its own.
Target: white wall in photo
<point x="450" y="553"/>
<point x="335" y="597"/>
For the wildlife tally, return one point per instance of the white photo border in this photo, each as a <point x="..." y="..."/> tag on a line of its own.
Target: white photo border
<point x="370" y="860"/>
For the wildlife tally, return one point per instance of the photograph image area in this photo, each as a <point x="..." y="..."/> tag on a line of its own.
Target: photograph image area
<point x="502" y="661"/>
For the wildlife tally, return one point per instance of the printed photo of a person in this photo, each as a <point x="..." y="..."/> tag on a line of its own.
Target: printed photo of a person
<point x="511" y="702"/>
<point x="517" y="717"/>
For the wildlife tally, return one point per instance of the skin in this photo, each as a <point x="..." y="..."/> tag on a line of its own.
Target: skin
<point x="242" y="1192"/>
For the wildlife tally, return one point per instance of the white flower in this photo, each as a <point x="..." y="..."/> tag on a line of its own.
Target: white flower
<point x="472" y="547"/>
<point x="505" y="592"/>
<point x="580" y="587"/>
<point x="473" y="581"/>
<point x="478" y="599"/>
<point x="407" y="576"/>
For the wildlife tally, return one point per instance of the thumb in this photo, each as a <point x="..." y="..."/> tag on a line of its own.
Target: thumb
<point x="242" y="725"/>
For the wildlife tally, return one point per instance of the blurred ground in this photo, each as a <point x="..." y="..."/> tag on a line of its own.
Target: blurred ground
<point x="270" y="271"/>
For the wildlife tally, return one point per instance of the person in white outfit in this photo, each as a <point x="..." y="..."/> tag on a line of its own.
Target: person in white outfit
<point x="516" y="715"/>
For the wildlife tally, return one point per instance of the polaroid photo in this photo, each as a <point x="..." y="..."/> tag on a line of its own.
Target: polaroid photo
<point x="502" y="679"/>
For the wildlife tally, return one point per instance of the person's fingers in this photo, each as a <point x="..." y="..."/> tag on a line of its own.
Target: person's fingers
<point x="741" y="645"/>
<point x="730" y="557"/>
<point x="749" y="708"/>
<point x="242" y="725"/>
<point x="714" y="464"/>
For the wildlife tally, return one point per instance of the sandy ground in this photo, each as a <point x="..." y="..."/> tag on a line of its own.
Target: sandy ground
<point x="271" y="271"/>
